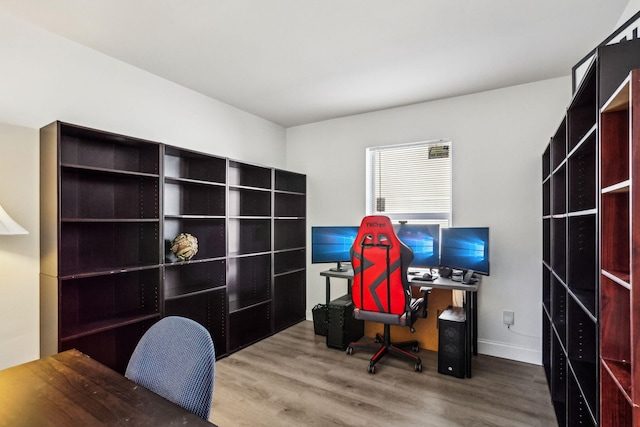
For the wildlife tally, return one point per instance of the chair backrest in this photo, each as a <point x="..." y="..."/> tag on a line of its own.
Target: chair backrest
<point x="380" y="262"/>
<point x="175" y="358"/>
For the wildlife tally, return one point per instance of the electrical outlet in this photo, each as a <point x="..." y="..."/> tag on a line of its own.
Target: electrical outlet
<point x="507" y="317"/>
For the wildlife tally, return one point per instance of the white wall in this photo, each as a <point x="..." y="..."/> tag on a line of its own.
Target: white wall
<point x="19" y="255"/>
<point x="498" y="140"/>
<point x="44" y="78"/>
<point x="632" y="8"/>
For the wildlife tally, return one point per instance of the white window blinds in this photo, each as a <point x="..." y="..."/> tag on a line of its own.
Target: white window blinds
<point x="410" y="181"/>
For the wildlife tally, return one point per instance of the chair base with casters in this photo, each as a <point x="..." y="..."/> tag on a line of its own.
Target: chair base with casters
<point x="383" y="344"/>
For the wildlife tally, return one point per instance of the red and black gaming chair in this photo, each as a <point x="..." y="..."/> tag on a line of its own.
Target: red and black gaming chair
<point x="380" y="289"/>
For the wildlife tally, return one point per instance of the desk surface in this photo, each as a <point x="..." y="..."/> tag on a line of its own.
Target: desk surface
<point x="439" y="283"/>
<point x="70" y="388"/>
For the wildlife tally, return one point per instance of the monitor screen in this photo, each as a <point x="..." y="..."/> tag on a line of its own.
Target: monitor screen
<point x="424" y="241"/>
<point x="332" y="244"/>
<point x="465" y="249"/>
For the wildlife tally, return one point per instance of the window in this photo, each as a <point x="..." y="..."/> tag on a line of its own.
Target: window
<point x="410" y="182"/>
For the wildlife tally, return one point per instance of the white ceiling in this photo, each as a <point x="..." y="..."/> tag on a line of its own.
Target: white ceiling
<point x="301" y="61"/>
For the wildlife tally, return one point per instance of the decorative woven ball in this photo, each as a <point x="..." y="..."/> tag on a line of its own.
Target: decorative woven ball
<point x="184" y="246"/>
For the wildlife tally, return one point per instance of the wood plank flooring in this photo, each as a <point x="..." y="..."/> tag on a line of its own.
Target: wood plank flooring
<point x="293" y="379"/>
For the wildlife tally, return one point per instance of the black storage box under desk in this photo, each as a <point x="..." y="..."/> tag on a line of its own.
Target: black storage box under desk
<point x="342" y="327"/>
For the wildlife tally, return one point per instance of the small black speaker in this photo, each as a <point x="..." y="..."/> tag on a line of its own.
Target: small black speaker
<point x="452" y="349"/>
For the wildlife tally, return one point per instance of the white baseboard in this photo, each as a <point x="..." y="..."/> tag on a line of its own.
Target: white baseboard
<point x="505" y="351"/>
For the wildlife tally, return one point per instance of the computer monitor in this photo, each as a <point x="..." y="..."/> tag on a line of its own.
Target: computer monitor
<point x="332" y="244"/>
<point x="424" y="241"/>
<point x="465" y="249"/>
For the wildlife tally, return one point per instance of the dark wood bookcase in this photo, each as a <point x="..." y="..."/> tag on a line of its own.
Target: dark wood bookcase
<point x="111" y="206"/>
<point x="584" y="230"/>
<point x="195" y="203"/>
<point x="289" y="258"/>
<point x="620" y="262"/>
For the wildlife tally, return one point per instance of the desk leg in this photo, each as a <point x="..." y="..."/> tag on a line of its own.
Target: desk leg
<point x="474" y="297"/>
<point x="328" y="290"/>
<point x="468" y="297"/>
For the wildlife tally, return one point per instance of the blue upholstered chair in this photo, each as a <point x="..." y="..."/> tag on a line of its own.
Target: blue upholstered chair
<point x="175" y="358"/>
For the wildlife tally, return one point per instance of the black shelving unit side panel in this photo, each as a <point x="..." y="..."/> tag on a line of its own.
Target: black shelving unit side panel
<point x="289" y="299"/>
<point x="559" y="309"/>
<point x="246" y="202"/>
<point x="210" y="310"/>
<point x="559" y="191"/>
<point x="559" y="145"/>
<point x="290" y="205"/>
<point x="249" y="325"/>
<point x="290" y="181"/>
<point x="559" y="247"/>
<point x="86" y="301"/>
<point x="546" y="198"/>
<point x="98" y="149"/>
<point x="546" y="240"/>
<point x="583" y="111"/>
<point x="180" y="163"/>
<point x="209" y="232"/>
<point x="582" y="351"/>
<point x="546" y="162"/>
<point x="546" y="288"/>
<point x="112" y="347"/>
<point x="583" y="176"/>
<point x="614" y="64"/>
<point x="289" y="260"/>
<point x="186" y="278"/>
<point x="579" y="412"/>
<point x="90" y="196"/>
<point x="289" y="233"/>
<point x="582" y="276"/>
<point x="194" y="199"/>
<point x="248" y="236"/>
<point x="248" y="281"/>
<point x="242" y="174"/>
<point x="559" y="382"/>
<point x="95" y="247"/>
<point x="547" y="343"/>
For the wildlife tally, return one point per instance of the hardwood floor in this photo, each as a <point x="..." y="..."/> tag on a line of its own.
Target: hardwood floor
<point x="293" y="379"/>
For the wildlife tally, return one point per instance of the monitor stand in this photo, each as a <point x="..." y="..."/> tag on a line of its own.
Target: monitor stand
<point x="339" y="268"/>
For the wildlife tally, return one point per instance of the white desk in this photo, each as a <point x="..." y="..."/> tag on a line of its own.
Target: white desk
<point x="470" y="304"/>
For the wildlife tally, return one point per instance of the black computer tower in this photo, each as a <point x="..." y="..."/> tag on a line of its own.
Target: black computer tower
<point x="342" y="327"/>
<point x="452" y="349"/>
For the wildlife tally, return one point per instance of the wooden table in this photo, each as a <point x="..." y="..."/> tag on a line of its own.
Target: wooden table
<point x="71" y="389"/>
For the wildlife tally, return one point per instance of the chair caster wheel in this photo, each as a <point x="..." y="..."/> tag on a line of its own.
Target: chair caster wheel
<point x="371" y="369"/>
<point x="418" y="367"/>
<point x="349" y="351"/>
